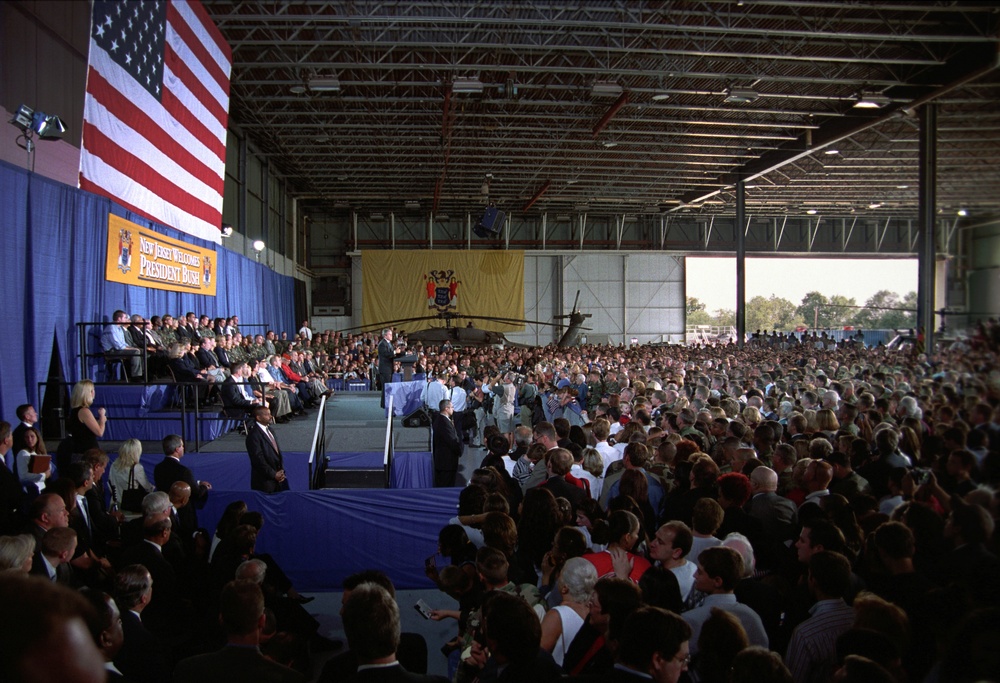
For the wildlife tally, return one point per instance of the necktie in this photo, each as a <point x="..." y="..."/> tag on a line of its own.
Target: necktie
<point x="85" y="511"/>
<point x="270" y="438"/>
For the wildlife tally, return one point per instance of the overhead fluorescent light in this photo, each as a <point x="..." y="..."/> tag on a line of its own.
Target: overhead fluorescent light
<point x="875" y="205"/>
<point x="871" y="100"/>
<point x="740" y="95"/>
<point x="467" y="84"/>
<point x="831" y="151"/>
<point x="324" y="84"/>
<point x="606" y="89"/>
<point x="610" y="143"/>
<point x="660" y="96"/>
<point x="811" y="212"/>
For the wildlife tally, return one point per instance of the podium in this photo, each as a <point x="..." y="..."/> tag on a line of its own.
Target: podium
<point x="407" y="362"/>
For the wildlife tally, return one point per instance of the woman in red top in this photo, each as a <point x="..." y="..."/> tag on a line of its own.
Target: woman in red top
<point x="618" y="558"/>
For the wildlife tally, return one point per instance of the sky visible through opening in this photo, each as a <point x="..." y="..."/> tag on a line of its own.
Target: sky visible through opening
<point x="712" y="280"/>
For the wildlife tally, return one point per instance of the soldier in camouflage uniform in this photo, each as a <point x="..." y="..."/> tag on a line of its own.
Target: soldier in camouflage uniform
<point x="611" y="385"/>
<point x="237" y="354"/>
<point x="595" y="390"/>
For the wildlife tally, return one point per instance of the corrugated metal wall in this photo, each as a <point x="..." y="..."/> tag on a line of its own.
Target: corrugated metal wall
<point x="629" y="295"/>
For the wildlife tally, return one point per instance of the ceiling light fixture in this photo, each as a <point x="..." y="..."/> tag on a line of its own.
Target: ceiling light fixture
<point x="875" y="205"/>
<point x="740" y="95"/>
<point x="610" y="143"/>
<point x="606" y="89"/>
<point x="811" y="212"/>
<point x="871" y="100"/>
<point x="470" y="84"/>
<point x="963" y="213"/>
<point x="831" y="152"/>
<point x="324" y="84"/>
<point x="660" y="96"/>
<point x="297" y="89"/>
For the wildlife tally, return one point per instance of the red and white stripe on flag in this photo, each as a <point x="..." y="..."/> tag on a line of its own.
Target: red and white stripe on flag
<point x="156" y="110"/>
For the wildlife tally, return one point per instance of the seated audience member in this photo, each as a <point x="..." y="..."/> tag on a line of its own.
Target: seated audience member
<point x="115" y="341"/>
<point x="141" y="657"/>
<point x="105" y="625"/>
<point x="17" y="553"/>
<point x="371" y="622"/>
<point x="53" y="556"/>
<point x="44" y="635"/>
<point x="241" y="612"/>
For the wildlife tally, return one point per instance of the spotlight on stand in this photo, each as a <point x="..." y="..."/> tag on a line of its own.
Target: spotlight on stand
<point x="227" y="230"/>
<point x="33" y="123"/>
<point x="258" y="246"/>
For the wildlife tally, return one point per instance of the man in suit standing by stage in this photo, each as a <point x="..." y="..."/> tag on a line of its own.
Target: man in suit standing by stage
<point x="267" y="469"/>
<point x="386" y="359"/>
<point x="447" y="447"/>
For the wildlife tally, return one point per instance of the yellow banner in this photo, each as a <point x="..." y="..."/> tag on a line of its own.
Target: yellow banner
<point x="399" y="285"/>
<point x="137" y="256"/>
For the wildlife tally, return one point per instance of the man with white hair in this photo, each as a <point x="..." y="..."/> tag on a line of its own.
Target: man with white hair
<point x="778" y="515"/>
<point x="831" y="400"/>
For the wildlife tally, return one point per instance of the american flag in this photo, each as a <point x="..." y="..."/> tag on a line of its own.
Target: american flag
<point x="154" y="121"/>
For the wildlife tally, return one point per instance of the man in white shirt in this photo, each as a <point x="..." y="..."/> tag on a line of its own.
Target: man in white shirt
<point x="609" y="454"/>
<point x="305" y="332"/>
<point x="434" y="393"/>
<point x="670" y="547"/>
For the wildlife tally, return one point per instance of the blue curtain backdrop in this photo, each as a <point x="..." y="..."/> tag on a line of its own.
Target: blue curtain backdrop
<point x="52" y="276"/>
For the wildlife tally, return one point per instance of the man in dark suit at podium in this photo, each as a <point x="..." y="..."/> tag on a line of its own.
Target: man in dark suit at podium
<point x="267" y="468"/>
<point x="447" y="447"/>
<point x="386" y="359"/>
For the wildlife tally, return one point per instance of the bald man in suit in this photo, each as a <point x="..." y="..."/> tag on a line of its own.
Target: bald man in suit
<point x="267" y="468"/>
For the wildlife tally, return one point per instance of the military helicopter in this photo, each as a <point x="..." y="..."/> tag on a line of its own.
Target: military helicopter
<point x="471" y="336"/>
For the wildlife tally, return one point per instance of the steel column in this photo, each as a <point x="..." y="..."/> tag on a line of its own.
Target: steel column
<point x="741" y="265"/>
<point x="927" y="208"/>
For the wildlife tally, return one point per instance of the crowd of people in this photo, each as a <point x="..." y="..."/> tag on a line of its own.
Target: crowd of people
<point x="709" y="513"/>
<point x="804" y="511"/>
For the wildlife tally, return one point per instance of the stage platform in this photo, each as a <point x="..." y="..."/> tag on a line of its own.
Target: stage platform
<point x="323" y="536"/>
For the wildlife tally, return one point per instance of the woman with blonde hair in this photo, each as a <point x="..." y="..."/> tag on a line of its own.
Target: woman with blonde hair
<point x="16" y="553"/>
<point x="83" y="428"/>
<point x="126" y="473"/>
<point x="827" y="422"/>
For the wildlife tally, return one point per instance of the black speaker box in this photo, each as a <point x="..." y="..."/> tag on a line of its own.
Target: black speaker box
<point x="418" y="418"/>
<point x="354" y="479"/>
